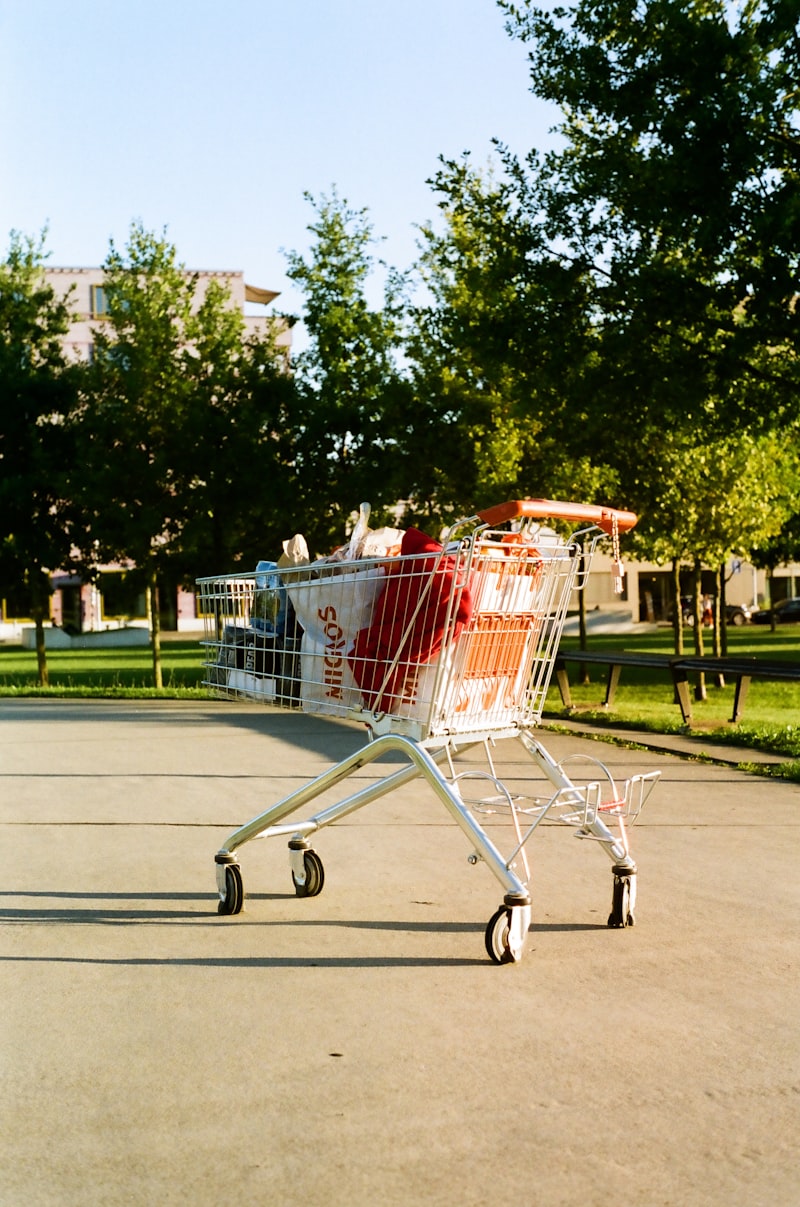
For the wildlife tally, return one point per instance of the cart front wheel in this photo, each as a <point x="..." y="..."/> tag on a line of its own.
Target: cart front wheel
<point x="232" y="900"/>
<point x="497" y="932"/>
<point x="621" y="904"/>
<point x="314" y="879"/>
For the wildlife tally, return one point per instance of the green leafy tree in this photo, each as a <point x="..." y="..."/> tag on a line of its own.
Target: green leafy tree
<point x="501" y="353"/>
<point x="674" y="188"/>
<point x="350" y="388"/>
<point x="677" y="185"/>
<point x="502" y="356"/>
<point x="137" y="418"/>
<point x="238" y="449"/>
<point x="39" y="521"/>
<point x="713" y="501"/>
<point x="184" y="428"/>
<point x="778" y="550"/>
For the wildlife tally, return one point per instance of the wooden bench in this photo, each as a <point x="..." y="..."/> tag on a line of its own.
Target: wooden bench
<point x="741" y="669"/>
<point x="679" y="666"/>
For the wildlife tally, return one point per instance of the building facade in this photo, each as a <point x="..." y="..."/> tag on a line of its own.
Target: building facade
<point x="85" y="288"/>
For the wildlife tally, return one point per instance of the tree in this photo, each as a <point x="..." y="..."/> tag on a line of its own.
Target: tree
<point x="239" y="470"/>
<point x="675" y="191"/>
<point x="39" y="521"/>
<point x="677" y="186"/>
<point x="780" y="549"/>
<point x="350" y="387"/>
<point x="183" y="427"/>
<point x="135" y="422"/>
<point x="714" y="500"/>
<point x="500" y="353"/>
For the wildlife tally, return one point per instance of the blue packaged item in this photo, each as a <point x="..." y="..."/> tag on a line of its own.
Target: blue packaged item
<point x="268" y="614"/>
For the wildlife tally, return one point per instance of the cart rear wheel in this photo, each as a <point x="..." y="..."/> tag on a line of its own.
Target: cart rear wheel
<point x="497" y="929"/>
<point x="233" y="901"/>
<point x="621" y="914"/>
<point x="315" y="876"/>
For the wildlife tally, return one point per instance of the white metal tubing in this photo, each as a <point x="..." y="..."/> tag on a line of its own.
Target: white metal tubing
<point x="423" y="764"/>
<point x="519" y="925"/>
<point x="615" y="849"/>
<point x="264" y="825"/>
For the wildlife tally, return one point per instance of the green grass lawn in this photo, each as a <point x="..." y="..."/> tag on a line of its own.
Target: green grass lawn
<point x="644" y="698"/>
<point x="105" y="672"/>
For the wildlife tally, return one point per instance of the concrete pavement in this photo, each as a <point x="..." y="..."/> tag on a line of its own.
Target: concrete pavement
<point x="358" y="1047"/>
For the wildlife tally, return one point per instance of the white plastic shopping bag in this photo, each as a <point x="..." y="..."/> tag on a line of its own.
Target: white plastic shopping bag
<point x="331" y="605"/>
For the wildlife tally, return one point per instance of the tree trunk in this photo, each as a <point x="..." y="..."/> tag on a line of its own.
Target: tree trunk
<point x="720" y="632"/>
<point x="40" y="598"/>
<point x="677" y="611"/>
<point x="773" y="623"/>
<point x="697" y="602"/>
<point x="583" y="670"/>
<point x="722" y="618"/>
<point x="154" y="617"/>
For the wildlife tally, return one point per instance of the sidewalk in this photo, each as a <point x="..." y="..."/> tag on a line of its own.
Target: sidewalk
<point x="683" y="745"/>
<point x="358" y="1048"/>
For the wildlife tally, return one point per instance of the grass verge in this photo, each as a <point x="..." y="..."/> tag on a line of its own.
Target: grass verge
<point x="644" y="698"/>
<point x="124" y="672"/>
<point x="645" y="701"/>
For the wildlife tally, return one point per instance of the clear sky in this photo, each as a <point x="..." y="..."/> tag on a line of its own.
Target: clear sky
<point x="211" y="118"/>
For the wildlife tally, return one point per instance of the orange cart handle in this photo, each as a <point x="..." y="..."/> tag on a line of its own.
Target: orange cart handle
<point x="552" y="509"/>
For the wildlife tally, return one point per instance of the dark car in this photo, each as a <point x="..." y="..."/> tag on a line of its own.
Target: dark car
<point x="734" y="613"/>
<point x="785" y="612"/>
<point x="738" y="613"/>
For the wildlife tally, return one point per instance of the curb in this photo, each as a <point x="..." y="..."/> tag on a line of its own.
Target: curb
<point x="680" y="745"/>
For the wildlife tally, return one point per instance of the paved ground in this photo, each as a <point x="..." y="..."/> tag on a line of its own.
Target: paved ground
<point x="358" y="1047"/>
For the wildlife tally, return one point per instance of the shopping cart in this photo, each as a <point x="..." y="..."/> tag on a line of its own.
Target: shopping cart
<point x="447" y="648"/>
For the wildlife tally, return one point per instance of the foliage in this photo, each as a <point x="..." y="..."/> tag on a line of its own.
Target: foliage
<point x="719" y="499"/>
<point x="350" y="387"/>
<point x="183" y="424"/>
<point x="780" y="548"/>
<point x="239" y="441"/>
<point x="39" y="522"/>
<point x="674" y="191"/>
<point x="499" y="353"/>
<point x="137" y="409"/>
<point x="678" y="182"/>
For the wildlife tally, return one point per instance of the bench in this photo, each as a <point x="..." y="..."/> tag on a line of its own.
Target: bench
<point x="679" y="666"/>
<point x="741" y="669"/>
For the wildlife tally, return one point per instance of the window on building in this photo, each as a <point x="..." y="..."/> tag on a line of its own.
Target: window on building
<point x="123" y="596"/>
<point x="99" y="302"/>
<point x="16" y="603"/>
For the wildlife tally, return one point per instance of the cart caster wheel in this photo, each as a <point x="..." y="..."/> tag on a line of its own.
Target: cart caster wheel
<point x="311" y="886"/>
<point x="622" y="903"/>
<point x="497" y="938"/>
<point x="233" y="900"/>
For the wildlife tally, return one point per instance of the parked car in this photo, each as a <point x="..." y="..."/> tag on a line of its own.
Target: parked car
<point x="687" y="610"/>
<point x="785" y="612"/>
<point x="734" y="613"/>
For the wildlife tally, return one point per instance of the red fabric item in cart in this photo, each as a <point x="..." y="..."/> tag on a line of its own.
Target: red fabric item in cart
<point x="393" y="632"/>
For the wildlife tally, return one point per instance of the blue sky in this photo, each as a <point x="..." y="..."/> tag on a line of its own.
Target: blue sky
<point x="213" y="117"/>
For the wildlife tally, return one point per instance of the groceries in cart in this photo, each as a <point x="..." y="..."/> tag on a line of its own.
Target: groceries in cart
<point x="364" y="627"/>
<point x="349" y="630"/>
